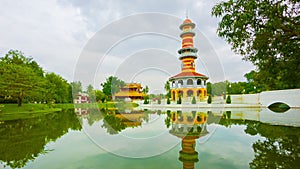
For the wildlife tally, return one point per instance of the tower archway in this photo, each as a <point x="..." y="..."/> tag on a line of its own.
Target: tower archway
<point x="190" y="93"/>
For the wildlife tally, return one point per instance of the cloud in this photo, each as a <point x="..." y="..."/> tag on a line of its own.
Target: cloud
<point x="58" y="33"/>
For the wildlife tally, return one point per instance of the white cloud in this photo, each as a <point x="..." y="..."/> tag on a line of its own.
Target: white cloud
<point x="55" y="32"/>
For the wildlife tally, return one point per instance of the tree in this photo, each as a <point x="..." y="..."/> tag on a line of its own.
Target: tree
<point x="100" y="96"/>
<point x="112" y="86"/>
<point x="209" y="88"/>
<point x="267" y="33"/>
<point x="20" y="77"/>
<point x="218" y="88"/>
<point x="57" y="89"/>
<point x="146" y="100"/>
<point x="146" y="89"/>
<point x="159" y="101"/>
<point x="76" y="88"/>
<point x="91" y="92"/>
<point x="168" y="89"/>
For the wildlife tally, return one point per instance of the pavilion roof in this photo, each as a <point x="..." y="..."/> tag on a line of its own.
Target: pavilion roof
<point x="188" y="74"/>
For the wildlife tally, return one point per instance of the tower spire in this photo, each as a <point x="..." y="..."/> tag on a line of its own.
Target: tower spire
<point x="186" y="13"/>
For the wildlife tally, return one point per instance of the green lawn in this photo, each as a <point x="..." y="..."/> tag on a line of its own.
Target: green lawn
<point x="12" y="111"/>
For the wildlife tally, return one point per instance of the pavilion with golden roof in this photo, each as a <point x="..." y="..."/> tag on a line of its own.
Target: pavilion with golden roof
<point x="188" y="83"/>
<point x="132" y="91"/>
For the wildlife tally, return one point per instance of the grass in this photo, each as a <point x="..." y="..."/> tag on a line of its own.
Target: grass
<point x="44" y="108"/>
<point x="13" y="112"/>
<point x="25" y="108"/>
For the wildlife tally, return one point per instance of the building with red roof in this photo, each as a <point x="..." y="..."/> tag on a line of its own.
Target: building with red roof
<point x="188" y="83"/>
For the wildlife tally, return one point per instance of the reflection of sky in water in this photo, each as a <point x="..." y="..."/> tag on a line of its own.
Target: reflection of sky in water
<point x="227" y="146"/>
<point x="149" y="140"/>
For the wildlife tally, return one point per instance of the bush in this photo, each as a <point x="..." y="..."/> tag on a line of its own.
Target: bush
<point x="146" y="100"/>
<point x="159" y="101"/>
<point x="209" y="99"/>
<point x="194" y="100"/>
<point x="168" y="101"/>
<point x="179" y="100"/>
<point x="228" y="99"/>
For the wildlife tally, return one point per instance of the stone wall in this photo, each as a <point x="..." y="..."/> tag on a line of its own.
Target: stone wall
<point x="245" y="99"/>
<point x="290" y="97"/>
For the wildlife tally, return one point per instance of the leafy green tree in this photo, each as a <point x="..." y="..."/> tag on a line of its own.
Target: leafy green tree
<point x="168" y="89"/>
<point x="20" y="77"/>
<point x="146" y="89"/>
<point x="112" y="85"/>
<point x="57" y="89"/>
<point x="267" y="33"/>
<point x="218" y="88"/>
<point x="91" y="92"/>
<point x="100" y="96"/>
<point x="209" y="88"/>
<point x="76" y="88"/>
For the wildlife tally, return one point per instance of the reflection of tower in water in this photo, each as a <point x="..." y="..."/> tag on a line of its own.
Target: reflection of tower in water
<point x="188" y="127"/>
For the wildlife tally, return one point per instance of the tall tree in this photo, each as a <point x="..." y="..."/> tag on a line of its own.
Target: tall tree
<point x="57" y="88"/>
<point x="112" y="85"/>
<point x="168" y="89"/>
<point x="267" y="33"/>
<point x="76" y="88"/>
<point x="91" y="92"/>
<point x="208" y="88"/>
<point x="20" y="77"/>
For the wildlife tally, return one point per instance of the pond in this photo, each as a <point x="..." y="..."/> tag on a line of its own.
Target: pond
<point x="166" y="138"/>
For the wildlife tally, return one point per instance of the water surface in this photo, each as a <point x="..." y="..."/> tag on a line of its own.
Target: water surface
<point x="89" y="138"/>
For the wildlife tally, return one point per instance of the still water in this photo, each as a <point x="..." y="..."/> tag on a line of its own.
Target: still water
<point x="134" y="139"/>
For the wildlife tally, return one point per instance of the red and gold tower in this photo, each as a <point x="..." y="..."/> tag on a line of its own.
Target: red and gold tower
<point x="188" y="83"/>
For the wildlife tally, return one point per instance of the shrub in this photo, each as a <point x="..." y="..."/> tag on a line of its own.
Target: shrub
<point x="228" y="99"/>
<point x="179" y="100"/>
<point x="159" y="101"/>
<point x="194" y="100"/>
<point x="146" y="100"/>
<point x="209" y="99"/>
<point x="168" y="101"/>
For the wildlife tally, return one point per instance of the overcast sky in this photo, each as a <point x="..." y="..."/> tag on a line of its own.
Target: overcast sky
<point x="135" y="40"/>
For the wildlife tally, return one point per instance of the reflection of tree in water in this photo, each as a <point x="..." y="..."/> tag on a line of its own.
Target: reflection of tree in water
<point x="95" y="115"/>
<point x="25" y="139"/>
<point x="168" y="119"/>
<point x="113" y="124"/>
<point x="280" y="149"/>
<point x="116" y="121"/>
